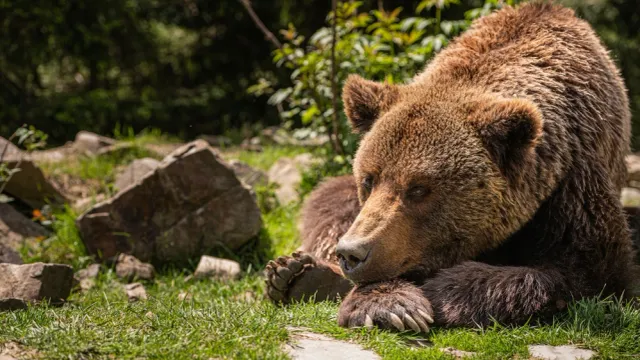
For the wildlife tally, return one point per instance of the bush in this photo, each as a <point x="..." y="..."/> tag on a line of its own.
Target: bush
<point x="378" y="45"/>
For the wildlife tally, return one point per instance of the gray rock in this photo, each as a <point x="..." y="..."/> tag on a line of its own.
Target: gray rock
<point x="248" y="175"/>
<point x="135" y="292"/>
<point x="218" y="269"/>
<point x="8" y="255"/>
<point x="309" y="346"/>
<point x="30" y="185"/>
<point x="630" y="197"/>
<point x="565" y="352"/>
<point x="90" y="143"/>
<point x="15" y="230"/>
<point x="91" y="272"/>
<point x="130" y="268"/>
<point x="34" y="282"/>
<point x="191" y="203"/>
<point x="135" y="172"/>
<point x="287" y="174"/>
<point x="458" y="354"/>
<point x="8" y="150"/>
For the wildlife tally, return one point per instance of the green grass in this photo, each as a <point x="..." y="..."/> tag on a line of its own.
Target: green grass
<point x="218" y="323"/>
<point x="267" y="157"/>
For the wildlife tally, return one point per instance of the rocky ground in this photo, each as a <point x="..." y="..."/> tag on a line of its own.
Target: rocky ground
<point x="146" y="248"/>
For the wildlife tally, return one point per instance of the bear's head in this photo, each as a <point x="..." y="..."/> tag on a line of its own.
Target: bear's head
<point x="438" y="172"/>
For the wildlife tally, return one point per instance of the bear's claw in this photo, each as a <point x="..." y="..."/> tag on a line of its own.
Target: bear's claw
<point x="400" y="307"/>
<point x="281" y="272"/>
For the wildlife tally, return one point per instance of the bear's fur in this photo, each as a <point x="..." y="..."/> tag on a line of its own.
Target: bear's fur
<point x="489" y="186"/>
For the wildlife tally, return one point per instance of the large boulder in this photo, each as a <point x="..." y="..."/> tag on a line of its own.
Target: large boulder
<point x="15" y="230"/>
<point x="191" y="203"/>
<point x="135" y="172"/>
<point x="287" y="174"/>
<point x="35" y="282"/>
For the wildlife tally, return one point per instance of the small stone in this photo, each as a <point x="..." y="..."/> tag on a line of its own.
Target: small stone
<point x="130" y="268"/>
<point x="458" y="354"/>
<point x="87" y="284"/>
<point x="35" y="282"/>
<point x="91" y="272"/>
<point x="150" y="315"/>
<point x="216" y="268"/>
<point x="90" y="143"/>
<point x="135" y="292"/>
<point x="185" y="296"/>
<point x="565" y="352"/>
<point x="311" y="346"/>
<point x="287" y="174"/>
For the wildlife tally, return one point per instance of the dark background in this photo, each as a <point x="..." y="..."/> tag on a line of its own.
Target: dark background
<point x="184" y="66"/>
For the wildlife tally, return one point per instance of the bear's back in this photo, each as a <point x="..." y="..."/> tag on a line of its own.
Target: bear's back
<point x="544" y="53"/>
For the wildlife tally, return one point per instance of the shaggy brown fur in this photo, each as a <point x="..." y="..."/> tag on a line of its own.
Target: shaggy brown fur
<point x="314" y="271"/>
<point x="490" y="185"/>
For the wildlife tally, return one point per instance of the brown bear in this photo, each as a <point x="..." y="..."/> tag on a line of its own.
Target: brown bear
<point x="487" y="188"/>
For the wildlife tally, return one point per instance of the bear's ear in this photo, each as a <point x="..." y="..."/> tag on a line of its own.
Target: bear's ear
<point x="509" y="130"/>
<point x="365" y="101"/>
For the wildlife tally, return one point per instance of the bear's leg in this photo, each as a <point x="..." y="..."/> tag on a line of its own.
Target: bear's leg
<point x="327" y="214"/>
<point x="469" y="294"/>
<point x="474" y="293"/>
<point x="302" y="277"/>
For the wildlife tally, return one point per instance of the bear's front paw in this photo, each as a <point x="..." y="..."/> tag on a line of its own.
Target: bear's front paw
<point x="391" y="305"/>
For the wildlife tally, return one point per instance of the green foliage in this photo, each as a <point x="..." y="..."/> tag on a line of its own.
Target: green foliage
<point x="64" y="246"/>
<point x="379" y="45"/>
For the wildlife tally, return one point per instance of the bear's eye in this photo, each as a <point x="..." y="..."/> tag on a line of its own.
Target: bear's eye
<point x="417" y="192"/>
<point x="367" y="183"/>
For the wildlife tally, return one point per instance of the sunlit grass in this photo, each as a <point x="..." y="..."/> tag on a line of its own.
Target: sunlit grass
<point x="219" y="322"/>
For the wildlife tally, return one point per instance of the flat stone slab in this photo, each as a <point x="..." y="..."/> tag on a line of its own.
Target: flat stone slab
<point x="564" y="352"/>
<point x="310" y="346"/>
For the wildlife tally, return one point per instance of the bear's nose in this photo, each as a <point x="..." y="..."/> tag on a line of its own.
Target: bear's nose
<point x="352" y="253"/>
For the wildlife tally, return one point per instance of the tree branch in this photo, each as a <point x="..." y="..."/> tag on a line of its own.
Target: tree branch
<point x="337" y="144"/>
<point x="268" y="34"/>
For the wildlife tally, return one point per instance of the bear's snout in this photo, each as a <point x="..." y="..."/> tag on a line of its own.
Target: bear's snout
<point x="353" y="254"/>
